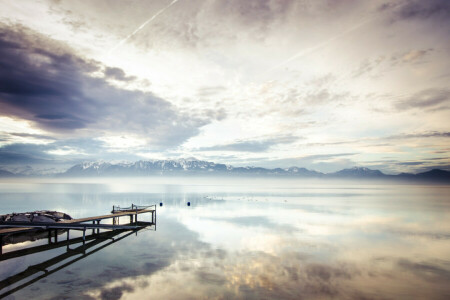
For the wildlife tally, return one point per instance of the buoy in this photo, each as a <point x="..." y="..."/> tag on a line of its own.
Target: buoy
<point x="160" y="204"/>
<point x="189" y="203"/>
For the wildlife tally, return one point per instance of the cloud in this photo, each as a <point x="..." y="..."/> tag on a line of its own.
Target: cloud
<point x="426" y="270"/>
<point x="251" y="145"/>
<point x="117" y="74"/>
<point x="64" y="152"/>
<point x="426" y="99"/>
<point x="37" y="136"/>
<point x="210" y="278"/>
<point x="207" y="91"/>
<point x="411" y="163"/>
<point x="429" y="134"/>
<point x="44" y="82"/>
<point x="116" y="292"/>
<point x="417" y="9"/>
<point x="16" y="154"/>
<point x="382" y="63"/>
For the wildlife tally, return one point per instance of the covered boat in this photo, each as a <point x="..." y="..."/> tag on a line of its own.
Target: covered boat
<point x="36" y="216"/>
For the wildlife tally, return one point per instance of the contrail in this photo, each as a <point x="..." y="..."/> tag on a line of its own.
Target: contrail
<point x="318" y="46"/>
<point x="142" y="26"/>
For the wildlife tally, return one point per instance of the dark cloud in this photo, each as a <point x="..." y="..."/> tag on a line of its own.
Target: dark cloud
<point x="24" y="154"/>
<point x="426" y="99"/>
<point x="429" y="134"/>
<point x="411" y="163"/>
<point x="44" y="82"/>
<point x="252" y="145"/>
<point x="425" y="270"/>
<point x="418" y="9"/>
<point x="248" y="12"/>
<point x="41" y="154"/>
<point x="117" y="74"/>
<point x="115" y="293"/>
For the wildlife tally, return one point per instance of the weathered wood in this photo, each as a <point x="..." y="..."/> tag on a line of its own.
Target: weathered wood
<point x="29" y="226"/>
<point x="59" y="225"/>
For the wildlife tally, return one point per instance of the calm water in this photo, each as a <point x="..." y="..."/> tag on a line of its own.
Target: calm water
<point x="245" y="239"/>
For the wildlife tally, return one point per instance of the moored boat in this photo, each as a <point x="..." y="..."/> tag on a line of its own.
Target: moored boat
<point x="36" y="216"/>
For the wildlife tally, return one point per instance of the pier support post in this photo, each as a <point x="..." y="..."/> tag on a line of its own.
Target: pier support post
<point x="67" y="239"/>
<point x="98" y="229"/>
<point x="56" y="235"/>
<point x="1" y="244"/>
<point x="84" y="236"/>
<point x="49" y="236"/>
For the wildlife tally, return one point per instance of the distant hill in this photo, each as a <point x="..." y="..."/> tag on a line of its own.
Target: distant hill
<point x="193" y="166"/>
<point x="432" y="175"/>
<point x="357" y="172"/>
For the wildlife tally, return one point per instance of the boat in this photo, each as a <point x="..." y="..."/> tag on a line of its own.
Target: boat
<point x="47" y="216"/>
<point x="36" y="216"/>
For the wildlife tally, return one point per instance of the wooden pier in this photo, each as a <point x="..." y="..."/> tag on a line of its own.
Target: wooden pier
<point x="8" y="228"/>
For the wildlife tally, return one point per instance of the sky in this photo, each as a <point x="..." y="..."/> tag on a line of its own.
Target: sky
<point x="321" y="84"/>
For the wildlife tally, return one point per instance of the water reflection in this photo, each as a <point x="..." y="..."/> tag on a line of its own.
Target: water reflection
<point x="278" y="240"/>
<point x="59" y="262"/>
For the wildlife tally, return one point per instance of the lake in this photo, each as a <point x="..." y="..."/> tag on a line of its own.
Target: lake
<point x="241" y="238"/>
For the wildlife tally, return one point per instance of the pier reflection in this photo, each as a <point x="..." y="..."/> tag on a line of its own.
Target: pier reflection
<point x="91" y="244"/>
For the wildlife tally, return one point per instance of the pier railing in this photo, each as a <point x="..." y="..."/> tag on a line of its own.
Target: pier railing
<point x="133" y="207"/>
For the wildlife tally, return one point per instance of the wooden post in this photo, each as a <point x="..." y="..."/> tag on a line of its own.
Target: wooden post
<point x="93" y="230"/>
<point x="49" y="236"/>
<point x="1" y="244"/>
<point x="98" y="229"/>
<point x="56" y="235"/>
<point x="84" y="236"/>
<point x="67" y="248"/>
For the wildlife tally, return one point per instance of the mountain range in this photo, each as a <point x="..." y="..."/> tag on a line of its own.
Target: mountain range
<point x="198" y="167"/>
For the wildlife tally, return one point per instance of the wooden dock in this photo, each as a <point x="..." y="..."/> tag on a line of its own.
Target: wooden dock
<point x="8" y="228"/>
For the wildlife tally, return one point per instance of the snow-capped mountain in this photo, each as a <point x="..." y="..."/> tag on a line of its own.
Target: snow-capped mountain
<point x="179" y="166"/>
<point x="146" y="167"/>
